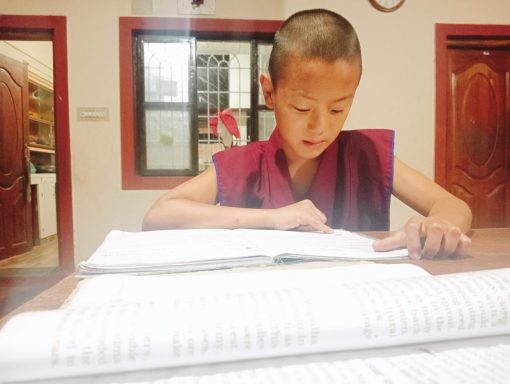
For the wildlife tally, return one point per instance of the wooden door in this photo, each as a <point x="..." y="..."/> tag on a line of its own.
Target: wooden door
<point x="15" y="207"/>
<point x="478" y="134"/>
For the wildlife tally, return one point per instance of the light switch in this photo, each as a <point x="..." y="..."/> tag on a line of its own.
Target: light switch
<point x="93" y="114"/>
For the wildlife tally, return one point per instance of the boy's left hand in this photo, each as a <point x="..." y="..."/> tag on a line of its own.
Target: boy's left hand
<point x="426" y="237"/>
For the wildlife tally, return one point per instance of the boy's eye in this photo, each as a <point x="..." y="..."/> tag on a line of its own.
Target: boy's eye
<point x="300" y="109"/>
<point x="335" y="111"/>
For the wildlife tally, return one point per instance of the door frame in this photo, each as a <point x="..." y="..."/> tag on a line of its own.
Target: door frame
<point x="53" y="28"/>
<point x="443" y="33"/>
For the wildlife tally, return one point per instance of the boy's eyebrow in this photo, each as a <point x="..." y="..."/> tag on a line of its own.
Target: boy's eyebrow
<point x="306" y="96"/>
<point x="344" y="98"/>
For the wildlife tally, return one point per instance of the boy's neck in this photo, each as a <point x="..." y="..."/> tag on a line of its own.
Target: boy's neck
<point x="301" y="177"/>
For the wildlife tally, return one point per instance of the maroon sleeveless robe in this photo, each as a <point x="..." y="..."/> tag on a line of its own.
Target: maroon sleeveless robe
<point x="352" y="186"/>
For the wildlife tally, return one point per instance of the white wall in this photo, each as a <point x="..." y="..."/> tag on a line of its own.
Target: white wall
<point x="397" y="89"/>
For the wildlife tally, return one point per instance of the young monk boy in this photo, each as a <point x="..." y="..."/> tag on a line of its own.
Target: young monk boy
<point x="311" y="175"/>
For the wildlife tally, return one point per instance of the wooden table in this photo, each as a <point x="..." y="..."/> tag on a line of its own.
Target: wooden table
<point x="490" y="249"/>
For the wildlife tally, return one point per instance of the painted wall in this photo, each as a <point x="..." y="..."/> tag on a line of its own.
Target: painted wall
<point x="397" y="89"/>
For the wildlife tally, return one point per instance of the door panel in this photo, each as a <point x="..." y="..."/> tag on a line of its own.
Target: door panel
<point x="15" y="207"/>
<point x="477" y="139"/>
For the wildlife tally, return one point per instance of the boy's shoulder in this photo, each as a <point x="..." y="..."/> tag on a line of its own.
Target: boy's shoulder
<point x="246" y="152"/>
<point x="367" y="133"/>
<point x="367" y="137"/>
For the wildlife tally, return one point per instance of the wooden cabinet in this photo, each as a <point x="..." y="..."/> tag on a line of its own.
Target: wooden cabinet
<point x="41" y="139"/>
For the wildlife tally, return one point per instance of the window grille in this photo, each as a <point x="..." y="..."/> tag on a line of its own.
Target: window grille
<point x="182" y="83"/>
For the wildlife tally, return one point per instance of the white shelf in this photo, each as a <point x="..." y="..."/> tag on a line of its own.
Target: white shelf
<point x="41" y="148"/>
<point x="43" y="178"/>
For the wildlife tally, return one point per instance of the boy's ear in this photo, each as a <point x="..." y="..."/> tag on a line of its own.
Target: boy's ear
<point x="267" y="89"/>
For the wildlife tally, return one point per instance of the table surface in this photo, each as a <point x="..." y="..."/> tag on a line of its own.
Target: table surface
<point x="490" y="249"/>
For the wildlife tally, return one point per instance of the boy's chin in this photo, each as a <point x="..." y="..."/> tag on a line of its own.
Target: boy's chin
<point x="313" y="150"/>
<point x="310" y="154"/>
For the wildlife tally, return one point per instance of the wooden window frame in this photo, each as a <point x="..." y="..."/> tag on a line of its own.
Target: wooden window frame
<point x="128" y="26"/>
<point x="143" y="106"/>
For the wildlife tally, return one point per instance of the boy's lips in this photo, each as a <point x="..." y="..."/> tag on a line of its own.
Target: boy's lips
<point x="313" y="143"/>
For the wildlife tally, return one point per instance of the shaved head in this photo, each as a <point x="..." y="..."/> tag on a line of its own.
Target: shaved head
<point x="313" y="34"/>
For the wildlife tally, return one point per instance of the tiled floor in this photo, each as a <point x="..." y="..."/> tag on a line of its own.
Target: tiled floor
<point x="23" y="276"/>
<point x="41" y="256"/>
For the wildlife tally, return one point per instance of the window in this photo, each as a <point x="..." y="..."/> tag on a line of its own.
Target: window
<point x="164" y="105"/>
<point x="177" y="75"/>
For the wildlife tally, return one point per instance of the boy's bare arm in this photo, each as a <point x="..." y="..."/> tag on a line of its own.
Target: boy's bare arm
<point x="445" y="222"/>
<point x="193" y="205"/>
<point x="428" y="198"/>
<point x="189" y="205"/>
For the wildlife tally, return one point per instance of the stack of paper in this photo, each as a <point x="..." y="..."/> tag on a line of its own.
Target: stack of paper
<point x="207" y="249"/>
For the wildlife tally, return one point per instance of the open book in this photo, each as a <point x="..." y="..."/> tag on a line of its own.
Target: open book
<point x="268" y="316"/>
<point x="206" y="249"/>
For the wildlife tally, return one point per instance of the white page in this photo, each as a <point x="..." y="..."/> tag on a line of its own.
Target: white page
<point x="463" y="365"/>
<point x="192" y="246"/>
<point x="168" y="246"/>
<point x="207" y="373"/>
<point x="253" y="323"/>
<point x="194" y="329"/>
<point x="341" y="244"/>
<point x="105" y="289"/>
<point x="441" y="307"/>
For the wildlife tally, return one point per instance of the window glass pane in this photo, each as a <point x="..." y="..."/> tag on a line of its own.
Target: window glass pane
<point x="264" y="51"/>
<point x="267" y="123"/>
<point x="223" y="82"/>
<point x="166" y="70"/>
<point x="168" y="140"/>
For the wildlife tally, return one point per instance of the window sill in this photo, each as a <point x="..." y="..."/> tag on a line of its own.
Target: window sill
<point x="130" y="181"/>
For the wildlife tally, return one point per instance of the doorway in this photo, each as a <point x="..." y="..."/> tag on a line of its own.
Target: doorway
<point x="47" y="147"/>
<point x="473" y="119"/>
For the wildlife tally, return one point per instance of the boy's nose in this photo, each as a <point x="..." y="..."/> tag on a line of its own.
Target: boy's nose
<point x="317" y="122"/>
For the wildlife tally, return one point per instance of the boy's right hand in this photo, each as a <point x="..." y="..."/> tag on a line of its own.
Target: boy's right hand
<point x="302" y="216"/>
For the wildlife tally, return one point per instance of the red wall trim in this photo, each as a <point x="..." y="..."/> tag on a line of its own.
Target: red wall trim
<point x="441" y="104"/>
<point x="55" y="28"/>
<point x="130" y="180"/>
<point x="443" y="33"/>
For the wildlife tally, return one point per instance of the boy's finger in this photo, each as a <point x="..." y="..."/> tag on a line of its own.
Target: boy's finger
<point x="320" y="221"/>
<point x="413" y="239"/>
<point x="315" y="226"/>
<point x="463" y="246"/>
<point x="452" y="241"/>
<point x="322" y="217"/>
<point x="433" y="241"/>
<point x="393" y="241"/>
<point x="323" y="227"/>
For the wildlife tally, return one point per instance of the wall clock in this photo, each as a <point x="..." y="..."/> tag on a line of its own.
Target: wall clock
<point x="386" y="5"/>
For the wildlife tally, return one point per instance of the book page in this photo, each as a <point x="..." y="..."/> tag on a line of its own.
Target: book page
<point x="191" y="329"/>
<point x="198" y="249"/>
<point x="209" y="373"/>
<point x="106" y="289"/>
<point x="296" y="244"/>
<point x="428" y="309"/>
<point x="207" y="326"/>
<point x="169" y="246"/>
<point x="462" y="365"/>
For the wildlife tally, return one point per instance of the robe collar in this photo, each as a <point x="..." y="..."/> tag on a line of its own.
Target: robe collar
<point x="322" y="188"/>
